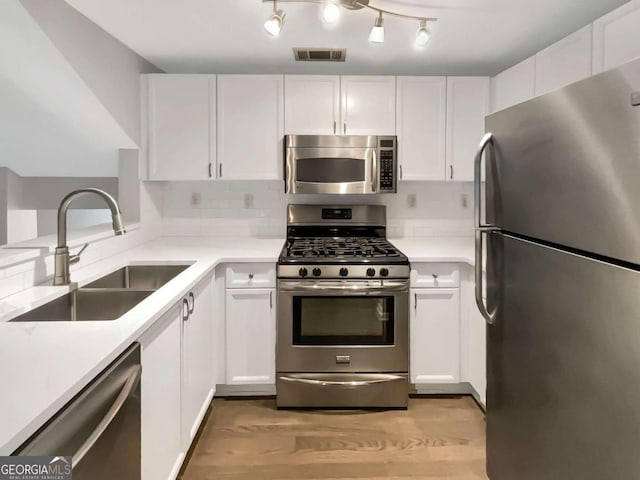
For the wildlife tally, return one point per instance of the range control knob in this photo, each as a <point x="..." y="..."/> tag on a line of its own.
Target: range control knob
<point x="317" y="272"/>
<point x="371" y="272"/>
<point x="303" y="272"/>
<point x="384" y="272"/>
<point x="344" y="272"/>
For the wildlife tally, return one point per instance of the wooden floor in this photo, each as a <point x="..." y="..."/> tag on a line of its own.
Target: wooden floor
<point x="436" y="438"/>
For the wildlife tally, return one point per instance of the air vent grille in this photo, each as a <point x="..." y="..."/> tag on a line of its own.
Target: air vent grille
<point x="320" y="54"/>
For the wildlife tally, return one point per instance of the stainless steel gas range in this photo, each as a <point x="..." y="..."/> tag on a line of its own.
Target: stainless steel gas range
<point x="343" y="310"/>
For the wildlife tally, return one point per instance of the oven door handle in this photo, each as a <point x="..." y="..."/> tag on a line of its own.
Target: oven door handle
<point x="334" y="383"/>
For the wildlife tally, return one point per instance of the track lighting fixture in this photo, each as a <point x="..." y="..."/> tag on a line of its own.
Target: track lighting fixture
<point x="331" y="13"/>
<point x="274" y="23"/>
<point x="377" y="31"/>
<point x="423" y="34"/>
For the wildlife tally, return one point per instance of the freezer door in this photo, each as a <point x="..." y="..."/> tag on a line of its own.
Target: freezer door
<point x="566" y="167"/>
<point x="563" y="392"/>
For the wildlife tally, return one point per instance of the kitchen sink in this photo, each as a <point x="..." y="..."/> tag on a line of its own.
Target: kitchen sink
<point x="139" y="277"/>
<point x="87" y="305"/>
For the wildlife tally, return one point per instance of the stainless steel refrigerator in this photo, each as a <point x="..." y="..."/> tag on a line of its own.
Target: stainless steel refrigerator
<point x="562" y="241"/>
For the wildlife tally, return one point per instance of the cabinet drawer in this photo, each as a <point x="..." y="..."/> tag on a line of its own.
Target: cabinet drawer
<point x="444" y="275"/>
<point x="250" y="275"/>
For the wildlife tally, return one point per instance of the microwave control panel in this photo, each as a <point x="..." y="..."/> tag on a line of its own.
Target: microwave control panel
<point x="387" y="149"/>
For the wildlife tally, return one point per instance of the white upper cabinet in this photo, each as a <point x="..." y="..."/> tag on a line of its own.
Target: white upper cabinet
<point x="368" y="105"/>
<point x="616" y="37"/>
<point x="564" y="62"/>
<point x="250" y="127"/>
<point x="467" y="105"/>
<point x="180" y="119"/>
<point x="422" y="122"/>
<point x="311" y="104"/>
<point x="515" y="85"/>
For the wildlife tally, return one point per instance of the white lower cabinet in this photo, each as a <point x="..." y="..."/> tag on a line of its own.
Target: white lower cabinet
<point x="162" y="452"/>
<point x="177" y="381"/>
<point x="251" y="336"/>
<point x="435" y="336"/>
<point x="197" y="358"/>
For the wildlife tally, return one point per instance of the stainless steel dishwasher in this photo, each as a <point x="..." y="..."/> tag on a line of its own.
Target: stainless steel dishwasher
<point x="100" y="427"/>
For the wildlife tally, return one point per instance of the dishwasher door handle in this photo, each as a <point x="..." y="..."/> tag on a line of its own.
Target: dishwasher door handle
<point x="132" y="380"/>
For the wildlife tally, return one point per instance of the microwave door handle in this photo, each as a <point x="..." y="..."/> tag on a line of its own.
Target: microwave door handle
<point x="374" y="168"/>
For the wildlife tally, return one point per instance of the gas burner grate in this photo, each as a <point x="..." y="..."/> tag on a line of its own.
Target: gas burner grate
<point x="341" y="247"/>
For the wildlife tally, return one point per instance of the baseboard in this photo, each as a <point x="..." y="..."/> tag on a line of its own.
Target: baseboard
<point x="245" y="390"/>
<point x="463" y="388"/>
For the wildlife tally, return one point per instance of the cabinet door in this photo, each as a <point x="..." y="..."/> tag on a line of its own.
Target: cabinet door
<point x="250" y="127"/>
<point x="180" y="126"/>
<point x="311" y="104"/>
<point x="421" y="114"/>
<point x="467" y="105"/>
<point x="435" y="335"/>
<point x="197" y="369"/>
<point x="478" y="352"/>
<point x="251" y="339"/>
<point x="616" y="37"/>
<point x="161" y="382"/>
<point x="564" y="62"/>
<point x="368" y="105"/>
<point x="515" y="85"/>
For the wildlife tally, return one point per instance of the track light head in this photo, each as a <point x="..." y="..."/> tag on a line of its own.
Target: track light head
<point x="274" y="23"/>
<point x="377" y="31"/>
<point x="331" y="12"/>
<point x="423" y="35"/>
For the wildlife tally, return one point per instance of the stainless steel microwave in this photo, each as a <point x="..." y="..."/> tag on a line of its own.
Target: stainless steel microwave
<point x="341" y="164"/>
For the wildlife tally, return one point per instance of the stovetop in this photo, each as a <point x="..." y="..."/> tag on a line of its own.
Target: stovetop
<point x="339" y="242"/>
<point x="351" y="250"/>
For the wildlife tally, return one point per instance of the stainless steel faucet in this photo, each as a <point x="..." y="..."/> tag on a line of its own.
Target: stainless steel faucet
<point x="62" y="258"/>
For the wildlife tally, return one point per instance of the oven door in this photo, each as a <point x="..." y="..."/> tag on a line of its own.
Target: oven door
<point x="343" y="326"/>
<point x="331" y="170"/>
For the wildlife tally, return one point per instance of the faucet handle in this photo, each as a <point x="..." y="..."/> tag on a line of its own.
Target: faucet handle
<point x="73" y="259"/>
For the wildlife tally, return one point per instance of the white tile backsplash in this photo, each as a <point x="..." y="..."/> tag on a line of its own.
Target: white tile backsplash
<point x="439" y="209"/>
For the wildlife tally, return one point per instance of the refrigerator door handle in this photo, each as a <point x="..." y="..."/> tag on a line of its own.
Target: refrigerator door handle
<point x="477" y="180"/>
<point x="490" y="317"/>
<point x="481" y="228"/>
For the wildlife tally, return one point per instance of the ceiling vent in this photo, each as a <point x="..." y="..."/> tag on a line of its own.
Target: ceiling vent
<point x="320" y="54"/>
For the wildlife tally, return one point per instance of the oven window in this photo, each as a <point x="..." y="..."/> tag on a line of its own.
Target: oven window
<point x="330" y="170"/>
<point x="343" y="320"/>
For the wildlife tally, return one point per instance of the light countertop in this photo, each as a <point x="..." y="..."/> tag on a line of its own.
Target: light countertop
<point x="437" y="249"/>
<point x="43" y="365"/>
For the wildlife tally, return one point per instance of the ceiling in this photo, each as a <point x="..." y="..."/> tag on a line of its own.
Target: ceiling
<point x="481" y="37"/>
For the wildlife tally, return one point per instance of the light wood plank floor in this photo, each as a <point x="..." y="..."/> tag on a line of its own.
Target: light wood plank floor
<point x="436" y="438"/>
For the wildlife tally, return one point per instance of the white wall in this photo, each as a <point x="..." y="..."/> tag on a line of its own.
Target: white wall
<point x="18" y="275"/>
<point x="259" y="208"/>
<point x="109" y="68"/>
